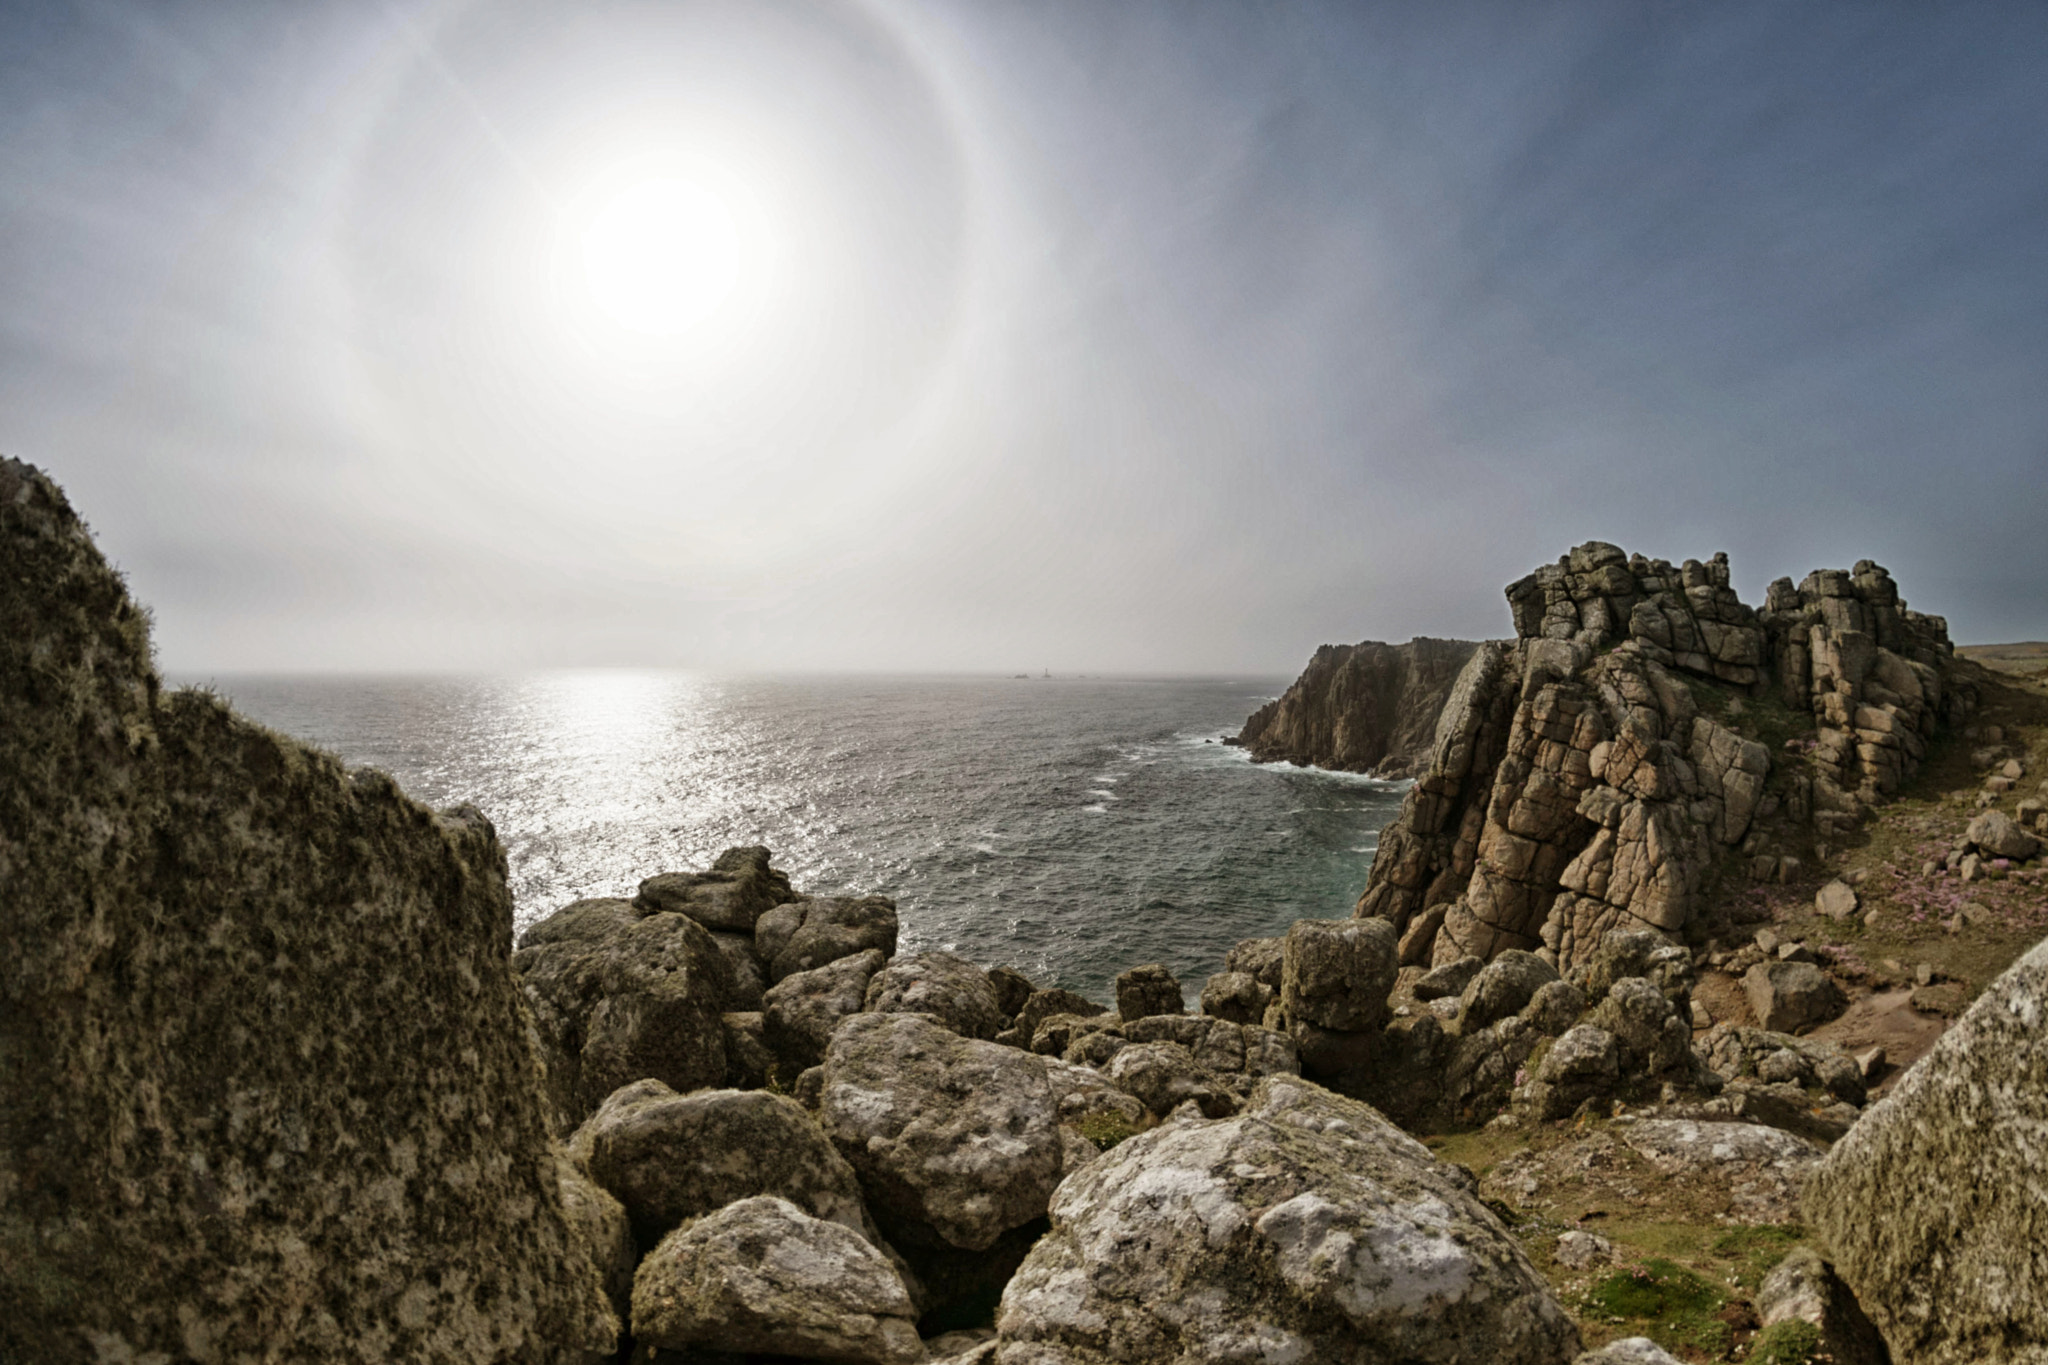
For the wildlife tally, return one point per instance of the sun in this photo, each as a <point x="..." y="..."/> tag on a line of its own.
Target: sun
<point x="655" y="252"/>
<point x="663" y="256"/>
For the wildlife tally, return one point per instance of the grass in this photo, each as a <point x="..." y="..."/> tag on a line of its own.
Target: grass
<point x="1665" y="1302"/>
<point x="1756" y="1249"/>
<point x="1786" y="1343"/>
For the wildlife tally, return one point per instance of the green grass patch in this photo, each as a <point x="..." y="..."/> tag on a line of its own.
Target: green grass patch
<point x="1667" y="1303"/>
<point x="1756" y="1249"/>
<point x="1786" y="1343"/>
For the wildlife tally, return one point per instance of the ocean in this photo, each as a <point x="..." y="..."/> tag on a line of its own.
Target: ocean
<point x="1071" y="828"/>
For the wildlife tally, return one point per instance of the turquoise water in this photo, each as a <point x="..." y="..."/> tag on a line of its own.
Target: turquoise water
<point x="1071" y="828"/>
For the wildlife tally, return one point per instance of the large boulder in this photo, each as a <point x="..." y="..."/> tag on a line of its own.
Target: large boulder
<point x="1237" y="996"/>
<point x="733" y="895"/>
<point x="1306" y="1229"/>
<point x="950" y="989"/>
<point x="1040" y="1006"/>
<point x="1934" y="1207"/>
<point x="955" y="1140"/>
<point x="762" y="1276"/>
<point x="268" y="1088"/>
<point x="1503" y="987"/>
<point x="802" y="1009"/>
<point x="670" y="1158"/>
<point x="1337" y="974"/>
<point x="619" y="995"/>
<point x="1163" y="1076"/>
<point x="1802" y="1291"/>
<point x="1998" y="835"/>
<point x="804" y="935"/>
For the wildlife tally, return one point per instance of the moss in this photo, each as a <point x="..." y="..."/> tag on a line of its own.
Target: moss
<point x="1667" y="1303"/>
<point x="1105" y="1130"/>
<point x="1786" y="1343"/>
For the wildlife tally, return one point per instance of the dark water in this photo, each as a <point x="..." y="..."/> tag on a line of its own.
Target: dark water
<point x="1072" y="828"/>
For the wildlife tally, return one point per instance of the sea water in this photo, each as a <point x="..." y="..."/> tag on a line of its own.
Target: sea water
<point x="1072" y="828"/>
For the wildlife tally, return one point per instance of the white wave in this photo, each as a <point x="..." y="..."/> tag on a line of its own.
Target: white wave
<point x="1096" y="810"/>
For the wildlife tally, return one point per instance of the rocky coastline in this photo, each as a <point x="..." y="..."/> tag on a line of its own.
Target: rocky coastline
<point x="1363" y="708"/>
<point x="281" y="1086"/>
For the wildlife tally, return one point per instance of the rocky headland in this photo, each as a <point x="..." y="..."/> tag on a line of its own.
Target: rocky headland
<point x="280" y="1085"/>
<point x="1363" y="708"/>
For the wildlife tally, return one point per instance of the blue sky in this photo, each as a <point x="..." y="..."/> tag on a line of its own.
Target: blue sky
<point x="1145" y="337"/>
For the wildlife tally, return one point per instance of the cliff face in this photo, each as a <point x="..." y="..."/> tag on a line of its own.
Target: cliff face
<point x="1363" y="708"/>
<point x="270" y="1087"/>
<point x="1593" y="773"/>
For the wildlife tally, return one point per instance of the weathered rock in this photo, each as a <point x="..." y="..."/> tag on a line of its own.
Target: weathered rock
<point x="955" y="1140"/>
<point x="1951" y="1270"/>
<point x="1802" y="1289"/>
<point x="1629" y="1351"/>
<point x="670" y="1158"/>
<point x="1364" y="708"/>
<point x="748" y="1061"/>
<point x="1043" y="1005"/>
<point x="619" y="995"/>
<point x="1081" y="1092"/>
<point x="750" y="978"/>
<point x="269" y="1084"/>
<point x="1581" y="1250"/>
<point x="1762" y="1166"/>
<point x="1338" y="973"/>
<point x="733" y="895"/>
<point x="1264" y="958"/>
<point x="1148" y="990"/>
<point x="1450" y="979"/>
<point x="1575" y="785"/>
<point x="1012" y="989"/>
<point x="1582" y="1065"/>
<point x="763" y="1276"/>
<point x="1789" y="997"/>
<point x="804" y="1007"/>
<point x="1237" y="996"/>
<point x="1997" y="835"/>
<point x="950" y="989"/>
<point x="1503" y="987"/>
<point x="601" y="1233"/>
<point x="1164" y="1076"/>
<point x="962" y="1348"/>
<point x="1836" y="900"/>
<point x="805" y="935"/>
<point x="1307" y="1228"/>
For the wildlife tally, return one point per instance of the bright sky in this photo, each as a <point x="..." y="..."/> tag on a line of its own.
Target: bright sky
<point x="983" y="334"/>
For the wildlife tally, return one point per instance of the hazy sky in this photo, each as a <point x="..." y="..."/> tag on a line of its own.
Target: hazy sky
<point x="1004" y="335"/>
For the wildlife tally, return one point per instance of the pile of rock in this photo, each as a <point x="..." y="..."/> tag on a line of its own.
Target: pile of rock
<point x="1577" y="785"/>
<point x="1995" y="841"/>
<point x="941" y="1119"/>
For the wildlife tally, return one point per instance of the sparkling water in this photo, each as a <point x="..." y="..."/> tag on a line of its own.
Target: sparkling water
<point x="1071" y="828"/>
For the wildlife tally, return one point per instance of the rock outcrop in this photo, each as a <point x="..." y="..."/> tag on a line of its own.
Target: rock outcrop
<point x="1934" y="1207"/>
<point x="269" y="1085"/>
<point x="1592" y="773"/>
<point x="1306" y="1228"/>
<point x="1363" y="708"/>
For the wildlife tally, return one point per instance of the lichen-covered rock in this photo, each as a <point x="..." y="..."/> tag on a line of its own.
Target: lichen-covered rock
<point x="1503" y="987"/>
<point x="1148" y="990"/>
<point x="670" y="1158"/>
<point x="1629" y="1351"/>
<point x="1164" y="1076"/>
<point x="955" y="1140"/>
<point x="950" y="989"/>
<point x="804" y="935"/>
<point x="1762" y="1166"/>
<point x="762" y="1276"/>
<point x="602" y="1233"/>
<point x="1450" y="979"/>
<point x="1306" y="1229"/>
<point x="747" y="1058"/>
<point x="1012" y="989"/>
<point x="1791" y="997"/>
<point x="750" y="978"/>
<point x="1263" y="958"/>
<point x="1934" y="1207"/>
<point x="1081" y="1093"/>
<point x="1237" y="996"/>
<point x="804" y="1008"/>
<point x="733" y="895"/>
<point x="269" y="1084"/>
<point x="1337" y="974"/>
<point x="1996" y="835"/>
<point x="619" y="995"/>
